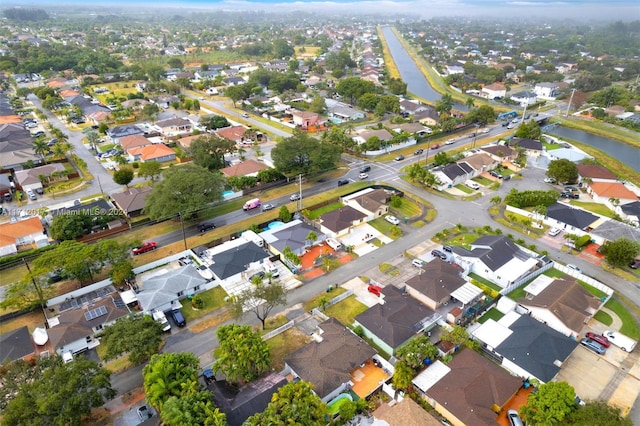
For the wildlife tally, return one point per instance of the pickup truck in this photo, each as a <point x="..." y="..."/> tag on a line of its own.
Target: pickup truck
<point x="160" y="317"/>
<point x="145" y="247"/>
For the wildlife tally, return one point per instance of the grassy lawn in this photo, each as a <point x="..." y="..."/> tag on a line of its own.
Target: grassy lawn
<point x="554" y="273"/>
<point x="381" y="225"/>
<point x="408" y="208"/>
<point x="482" y="180"/>
<point x="346" y="310"/>
<point x="285" y="344"/>
<point x="486" y="282"/>
<point x="12" y="275"/>
<point x="551" y="146"/>
<point x="518" y="293"/>
<point x="213" y="299"/>
<point x="594" y="208"/>
<point x="629" y="325"/>
<point x="464" y="188"/>
<point x="493" y="314"/>
<point x="603" y="317"/>
<point x="115" y="365"/>
<point x="314" y="214"/>
<point x="31" y="320"/>
<point x="315" y="302"/>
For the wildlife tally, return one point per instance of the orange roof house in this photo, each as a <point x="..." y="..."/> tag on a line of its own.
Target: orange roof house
<point x="133" y="141"/>
<point x="155" y="152"/>
<point x="233" y="133"/>
<point x="246" y="168"/>
<point x="603" y="191"/>
<point x="21" y="233"/>
<point x="68" y="93"/>
<point x="6" y="119"/>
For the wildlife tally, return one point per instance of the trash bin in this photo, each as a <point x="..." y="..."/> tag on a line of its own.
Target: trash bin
<point x="329" y="289"/>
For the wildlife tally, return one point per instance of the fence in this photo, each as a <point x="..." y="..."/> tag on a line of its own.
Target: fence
<point x="278" y="330"/>
<point x="587" y="280"/>
<point x="525" y="279"/>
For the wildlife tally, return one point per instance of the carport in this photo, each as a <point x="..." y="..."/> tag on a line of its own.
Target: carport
<point x="467" y="294"/>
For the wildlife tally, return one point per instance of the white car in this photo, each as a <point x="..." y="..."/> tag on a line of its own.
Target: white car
<point x="392" y="220"/>
<point x="485" y="130"/>
<point x="574" y="267"/>
<point x="473" y="185"/>
<point x="450" y="142"/>
<point x="554" y="231"/>
<point x="363" y="176"/>
<point x="417" y="263"/>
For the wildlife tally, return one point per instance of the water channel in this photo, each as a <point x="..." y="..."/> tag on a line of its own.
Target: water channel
<point x="410" y="73"/>
<point x="627" y="154"/>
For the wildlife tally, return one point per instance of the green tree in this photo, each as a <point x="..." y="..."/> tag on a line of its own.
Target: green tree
<point x="136" y="334"/>
<point x="563" y="170"/>
<point x="208" y="151"/>
<point x="260" y="299"/>
<point x="79" y="260"/>
<point x="294" y="404"/>
<point x="61" y="395"/>
<point x="458" y="336"/>
<point x="215" y="122"/>
<point x="121" y="271"/>
<point x="167" y="375"/>
<point x="552" y="404"/>
<point x="397" y="86"/>
<point x="69" y="227"/>
<point x="284" y="214"/>
<point x="31" y="291"/>
<point x="598" y="413"/>
<point x="620" y="252"/>
<point x="184" y="188"/>
<point x="312" y="237"/>
<point x="402" y="376"/>
<point x="354" y="87"/>
<point x="123" y="176"/>
<point x="301" y="153"/>
<point x="236" y="93"/>
<point x="445" y="104"/>
<point x="416" y="350"/>
<point x="441" y="159"/>
<point x="317" y="105"/>
<point x="150" y="169"/>
<point x="291" y="256"/>
<point x="242" y="355"/>
<point x="41" y="148"/>
<point x="529" y="130"/>
<point x="193" y="407"/>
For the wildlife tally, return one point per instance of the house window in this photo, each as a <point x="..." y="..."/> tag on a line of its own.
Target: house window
<point x="196" y="288"/>
<point x="180" y="293"/>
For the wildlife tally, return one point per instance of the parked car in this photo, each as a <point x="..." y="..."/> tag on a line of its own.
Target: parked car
<point x="31" y="194"/>
<point x="450" y="142"/>
<point x="144" y="413"/>
<point x="205" y="272"/>
<point x="473" y="185"/>
<point x="392" y="219"/>
<point x="145" y="247"/>
<point x="634" y="264"/>
<point x="374" y="289"/>
<point x="417" y="263"/>
<point x="206" y="226"/>
<point x="549" y="180"/>
<point x="436" y="146"/>
<point x="399" y="158"/>
<point x="37" y="134"/>
<point x="570" y="189"/>
<point x="447" y="249"/>
<point x="485" y="130"/>
<point x="472" y="135"/>
<point x="625" y="343"/>
<point x="496" y="174"/>
<point x="365" y="169"/>
<point x="363" y="176"/>
<point x="245" y="115"/>
<point x="40" y="191"/>
<point x="514" y="418"/>
<point x="574" y="267"/>
<point x="267" y="207"/>
<point x="295" y="197"/>
<point x="593" y="345"/>
<point x="160" y="317"/>
<point x="598" y="338"/>
<point x="178" y="318"/>
<point x="343" y="182"/>
<point x="554" y="231"/>
<point x="208" y="375"/>
<point x="438" y="253"/>
<point x="260" y="274"/>
<point x="418" y="151"/>
<point x="570" y="195"/>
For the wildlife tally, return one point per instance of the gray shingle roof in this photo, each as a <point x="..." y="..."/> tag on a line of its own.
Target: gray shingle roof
<point x="162" y="289"/>
<point x="494" y="251"/>
<point x="574" y="217"/>
<point x="233" y="261"/>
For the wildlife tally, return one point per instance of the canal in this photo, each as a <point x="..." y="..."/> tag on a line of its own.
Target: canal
<point x="627" y="154"/>
<point x="410" y="73"/>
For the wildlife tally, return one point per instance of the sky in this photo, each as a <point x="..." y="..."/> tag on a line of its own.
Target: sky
<point x="578" y="9"/>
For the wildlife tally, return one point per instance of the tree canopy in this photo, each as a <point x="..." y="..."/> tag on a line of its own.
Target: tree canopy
<point x="167" y="375"/>
<point x="598" y="413"/>
<point x="136" y="334"/>
<point x="552" y="404"/>
<point x="259" y="299"/>
<point x="620" y="252"/>
<point x="416" y="350"/>
<point x="563" y="170"/>
<point x="208" y="151"/>
<point x="354" y="87"/>
<point x="529" y="130"/>
<point x="293" y="404"/>
<point x="242" y="355"/>
<point x="301" y="153"/>
<point x="184" y="189"/>
<point x="193" y="407"/>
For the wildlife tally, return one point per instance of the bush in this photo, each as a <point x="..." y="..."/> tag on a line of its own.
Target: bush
<point x="531" y="198"/>
<point x="197" y="302"/>
<point x="135" y="165"/>
<point x="582" y="241"/>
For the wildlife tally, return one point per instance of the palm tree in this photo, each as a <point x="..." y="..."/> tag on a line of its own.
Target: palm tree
<point x="469" y="102"/>
<point x="312" y="237"/>
<point x="59" y="150"/>
<point x="40" y="147"/>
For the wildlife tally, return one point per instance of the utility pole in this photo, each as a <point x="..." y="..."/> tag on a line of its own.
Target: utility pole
<point x="570" y="101"/>
<point x="300" y="192"/>
<point x="99" y="184"/>
<point x="184" y="236"/>
<point x="37" y="288"/>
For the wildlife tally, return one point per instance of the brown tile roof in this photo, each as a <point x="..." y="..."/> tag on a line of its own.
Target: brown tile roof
<point x="245" y="168"/>
<point x="68" y="93"/>
<point x="186" y="141"/>
<point x="233" y="133"/>
<point x="473" y="387"/>
<point x="405" y="413"/>
<point x="565" y="298"/>
<point x="344" y="217"/>
<point x="612" y="189"/>
<point x="499" y="150"/>
<point x="151" y="152"/>
<point x="394" y="321"/>
<point x="329" y="363"/>
<point x="11" y="231"/>
<point x="133" y="141"/>
<point x="438" y="280"/>
<point x="595" y="171"/>
<point x="132" y="200"/>
<point x="478" y="160"/>
<point x="31" y="176"/>
<point x="6" y="119"/>
<point x="495" y="87"/>
<point x="304" y="114"/>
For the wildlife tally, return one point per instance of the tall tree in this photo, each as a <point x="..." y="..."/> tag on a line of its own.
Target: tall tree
<point x="61" y="395"/>
<point x="295" y="404"/>
<point x="445" y="104"/>
<point x="416" y="350"/>
<point x="34" y="289"/>
<point x="167" y="375"/>
<point x="150" y="169"/>
<point x="551" y="405"/>
<point x="259" y="299"/>
<point x="123" y="176"/>
<point x="301" y="153"/>
<point x="598" y="413"/>
<point x="193" y="407"/>
<point x="402" y="376"/>
<point x="620" y="252"/>
<point x="242" y="355"/>
<point x="138" y="335"/>
<point x="563" y="170"/>
<point x="208" y="151"/>
<point x="184" y="189"/>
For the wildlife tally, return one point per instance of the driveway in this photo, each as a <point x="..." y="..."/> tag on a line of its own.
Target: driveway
<point x="361" y="239"/>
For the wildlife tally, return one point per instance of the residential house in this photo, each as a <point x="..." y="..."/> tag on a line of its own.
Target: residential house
<point x="525" y="346"/>
<point x="562" y="303"/>
<point x="613" y="230"/>
<point x="469" y="390"/>
<point x="135" y="104"/>
<point x="499" y="153"/>
<point x="453" y="174"/>
<point x="250" y="399"/>
<point x="595" y="173"/>
<point x="132" y="200"/>
<point x="133" y="141"/>
<point x="413" y="107"/>
<point x="406" y="412"/>
<point x="532" y="147"/>
<point x="364" y="135"/>
<point x="164" y="292"/>
<point x="482" y="162"/>
<point x="435" y="283"/>
<point x="497" y="258"/>
<point x="75" y="319"/>
<point x="393" y="323"/>
<point x="293" y="235"/>
<point x="631" y="212"/>
<point x="372" y="202"/>
<point x="342" y="111"/>
<point x="525" y="98"/>
<point x="611" y="194"/>
<point x="119" y="132"/>
<point x="305" y="119"/>
<point x="330" y="360"/>
<point x="546" y="90"/>
<point x="244" y="168"/>
<point x="31" y="178"/>
<point x="454" y="68"/>
<point x="339" y="222"/>
<point x="22" y="234"/>
<point x="16" y="146"/>
<point x="186" y="141"/>
<point x="415" y="129"/>
<point x="494" y="91"/>
<point x="16" y="345"/>
<point x="165" y="101"/>
<point x="235" y="260"/>
<point x="233" y="133"/>
<point x="428" y="117"/>
<point x="87" y="106"/>
<point x="154" y="152"/>
<point x="233" y="81"/>
<point x="176" y="126"/>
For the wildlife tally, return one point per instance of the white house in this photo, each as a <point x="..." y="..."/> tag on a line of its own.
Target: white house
<point x="494" y="91"/>
<point x="546" y="90"/>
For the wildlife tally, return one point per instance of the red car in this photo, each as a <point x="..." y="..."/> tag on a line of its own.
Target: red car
<point x="374" y="289"/>
<point x="599" y="338"/>
<point x="436" y="146"/>
<point x="145" y="247"/>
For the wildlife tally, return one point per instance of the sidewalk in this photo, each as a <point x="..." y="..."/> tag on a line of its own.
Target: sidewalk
<point x="125" y="401"/>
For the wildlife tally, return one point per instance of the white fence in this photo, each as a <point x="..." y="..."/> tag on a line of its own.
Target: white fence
<point x="392" y="148"/>
<point x="160" y="262"/>
<point x="278" y="330"/>
<point x="584" y="278"/>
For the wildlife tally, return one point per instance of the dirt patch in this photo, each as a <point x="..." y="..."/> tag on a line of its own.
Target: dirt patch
<point x="98" y="417"/>
<point x="217" y="319"/>
<point x="132" y="395"/>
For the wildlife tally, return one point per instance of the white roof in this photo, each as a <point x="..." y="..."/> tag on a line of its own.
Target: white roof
<point x="509" y="318"/>
<point x="128" y="296"/>
<point x="467" y="293"/>
<point x="432" y="375"/>
<point x="512" y="270"/>
<point x="539" y="284"/>
<point x="492" y="333"/>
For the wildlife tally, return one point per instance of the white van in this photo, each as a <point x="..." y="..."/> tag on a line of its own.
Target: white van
<point x="625" y="343"/>
<point x="334" y="244"/>
<point x="271" y="268"/>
